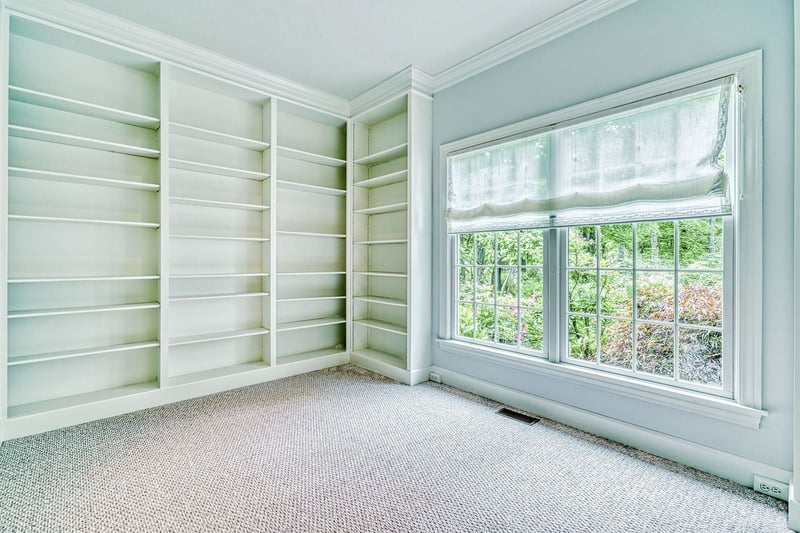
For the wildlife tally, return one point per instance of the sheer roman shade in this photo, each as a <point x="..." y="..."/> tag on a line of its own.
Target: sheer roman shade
<point x="658" y="159"/>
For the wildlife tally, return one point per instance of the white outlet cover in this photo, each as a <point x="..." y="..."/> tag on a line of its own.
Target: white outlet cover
<point x="770" y="487"/>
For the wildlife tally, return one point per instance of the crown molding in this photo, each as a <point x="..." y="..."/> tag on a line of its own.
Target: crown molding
<point x="103" y="26"/>
<point x="408" y="79"/>
<point x="568" y="20"/>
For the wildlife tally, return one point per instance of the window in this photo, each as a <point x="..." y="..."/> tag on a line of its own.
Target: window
<point x="605" y="237"/>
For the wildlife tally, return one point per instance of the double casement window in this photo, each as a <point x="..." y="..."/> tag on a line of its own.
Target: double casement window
<point x="615" y="236"/>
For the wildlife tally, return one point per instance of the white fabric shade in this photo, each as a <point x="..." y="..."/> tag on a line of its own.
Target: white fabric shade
<point x="658" y="160"/>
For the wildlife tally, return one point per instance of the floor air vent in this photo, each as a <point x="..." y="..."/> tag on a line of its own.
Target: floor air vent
<point x="519" y="417"/>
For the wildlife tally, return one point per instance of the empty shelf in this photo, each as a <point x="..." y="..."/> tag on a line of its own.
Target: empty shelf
<point x="82" y="278"/>
<point x="30" y="173"/>
<point x="218" y="296"/>
<point x="305" y="187"/>
<point x="315" y="323"/>
<point x="219" y="238"/>
<point x="218" y="170"/>
<point x="381" y="300"/>
<point x="216" y="373"/>
<point x="311" y="298"/>
<point x="384" y="179"/>
<point x="77" y="140"/>
<point x="312" y="234"/>
<point x="381" y="357"/>
<point x="383" y="156"/>
<point x="217" y="203"/>
<point x="384" y="241"/>
<point x="36" y="218"/>
<point x="217" y="136"/>
<point x="382" y="274"/>
<point x="66" y="402"/>
<point x="68" y="354"/>
<point x="234" y="275"/>
<point x="401" y="206"/>
<point x="81" y="310"/>
<point x="383" y="326"/>
<point x="44" y="99"/>
<point x="322" y="273"/>
<point x="310" y="157"/>
<point x="218" y="336"/>
<point x="305" y="356"/>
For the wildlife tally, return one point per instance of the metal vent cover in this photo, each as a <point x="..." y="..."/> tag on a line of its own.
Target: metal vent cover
<point x="519" y="417"/>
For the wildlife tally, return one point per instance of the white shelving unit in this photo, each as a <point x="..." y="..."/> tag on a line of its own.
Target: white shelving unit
<point x="166" y="232"/>
<point x="311" y="234"/>
<point x="220" y="140"/>
<point x="83" y="183"/>
<point x="391" y="232"/>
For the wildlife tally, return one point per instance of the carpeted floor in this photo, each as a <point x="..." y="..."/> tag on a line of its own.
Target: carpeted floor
<point x="346" y="450"/>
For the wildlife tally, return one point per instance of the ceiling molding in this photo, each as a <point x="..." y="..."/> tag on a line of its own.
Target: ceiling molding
<point x="568" y="20"/>
<point x="99" y="25"/>
<point x="408" y="79"/>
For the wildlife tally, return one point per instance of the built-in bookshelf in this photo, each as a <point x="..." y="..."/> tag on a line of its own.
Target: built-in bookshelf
<point x="311" y="182"/>
<point x="220" y="141"/>
<point x="391" y="237"/>
<point x="83" y="221"/>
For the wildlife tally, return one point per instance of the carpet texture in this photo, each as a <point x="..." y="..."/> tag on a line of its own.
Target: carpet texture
<point x="347" y="450"/>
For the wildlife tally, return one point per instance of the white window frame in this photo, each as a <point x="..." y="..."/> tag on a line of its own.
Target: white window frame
<point x="745" y="405"/>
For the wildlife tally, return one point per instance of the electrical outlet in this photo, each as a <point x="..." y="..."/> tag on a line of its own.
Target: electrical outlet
<point x="770" y="487"/>
<point x="435" y="377"/>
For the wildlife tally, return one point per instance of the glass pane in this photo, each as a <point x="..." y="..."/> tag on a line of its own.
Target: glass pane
<point x="484" y="249"/>
<point x="616" y="343"/>
<point x="485" y="323"/>
<point x="485" y="284"/>
<point x="700" y="243"/>
<point x="700" y="299"/>
<point x="582" y="247"/>
<point x="466" y="249"/>
<point x="507" y="286"/>
<point x="701" y="356"/>
<point x="616" y="242"/>
<point x="655" y="245"/>
<point x="507" y="248"/>
<point x="531" y="247"/>
<point x="466" y="291"/>
<point x="532" y="329"/>
<point x="531" y="287"/>
<point x="582" y="337"/>
<point x="582" y="291"/>
<point x="616" y="293"/>
<point x="655" y="349"/>
<point x="466" y="320"/>
<point x="507" y="325"/>
<point x="655" y="296"/>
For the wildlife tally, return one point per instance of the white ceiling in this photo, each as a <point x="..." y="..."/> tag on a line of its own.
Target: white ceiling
<point x="343" y="47"/>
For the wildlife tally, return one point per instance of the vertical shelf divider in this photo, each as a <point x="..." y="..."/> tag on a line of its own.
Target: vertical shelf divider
<point x="4" y="68"/>
<point x="272" y="246"/>
<point x="349" y="225"/>
<point x="163" y="256"/>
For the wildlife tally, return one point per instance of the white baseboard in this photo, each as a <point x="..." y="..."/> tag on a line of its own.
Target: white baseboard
<point x="28" y="425"/>
<point x="722" y="464"/>
<point x="408" y="377"/>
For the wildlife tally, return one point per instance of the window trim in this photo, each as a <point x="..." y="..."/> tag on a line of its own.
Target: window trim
<point x="748" y="224"/>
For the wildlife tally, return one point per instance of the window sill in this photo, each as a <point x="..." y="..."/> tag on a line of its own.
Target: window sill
<point x="691" y="402"/>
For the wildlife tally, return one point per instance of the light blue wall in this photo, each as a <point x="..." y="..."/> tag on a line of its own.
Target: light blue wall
<point x="649" y="40"/>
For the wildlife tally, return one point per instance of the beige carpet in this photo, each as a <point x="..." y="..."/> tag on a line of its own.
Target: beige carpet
<point x="346" y="450"/>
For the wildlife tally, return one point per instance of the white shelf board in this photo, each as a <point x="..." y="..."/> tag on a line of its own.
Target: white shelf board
<point x="379" y="242"/>
<point x="321" y="273"/>
<point x="81" y="310"/>
<point x="217" y="336"/>
<point x="44" y="99"/>
<point x="383" y="156"/>
<point x="304" y="324"/>
<point x="381" y="300"/>
<point x="69" y="354"/>
<point x="220" y="275"/>
<point x="218" y="296"/>
<point x="390" y="208"/>
<point x="218" y="170"/>
<point x="37" y="134"/>
<point x="305" y="356"/>
<point x="219" y="238"/>
<point x="384" y="179"/>
<point x="215" y="373"/>
<point x="17" y="411"/>
<point x="311" y="234"/>
<point x="312" y="298"/>
<point x="217" y="136"/>
<point x="383" y="326"/>
<point x="31" y="173"/>
<point x="217" y="203"/>
<point x="381" y="357"/>
<point x="82" y="278"/>
<point x="305" y="187"/>
<point x="35" y="218"/>
<point x="381" y="274"/>
<point x="310" y="157"/>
